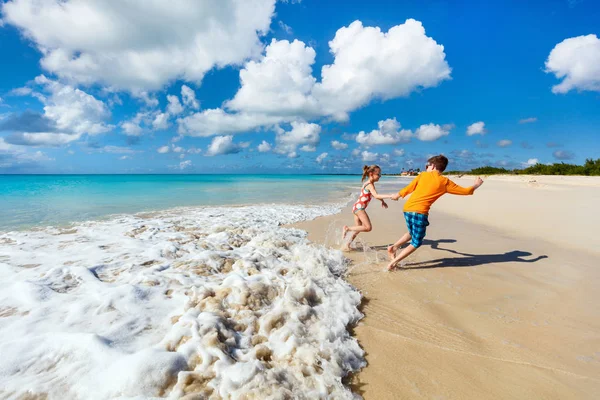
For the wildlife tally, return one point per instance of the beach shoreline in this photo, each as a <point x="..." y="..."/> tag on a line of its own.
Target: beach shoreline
<point x="494" y="305"/>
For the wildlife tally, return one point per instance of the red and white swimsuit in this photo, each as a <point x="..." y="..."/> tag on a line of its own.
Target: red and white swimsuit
<point x="363" y="199"/>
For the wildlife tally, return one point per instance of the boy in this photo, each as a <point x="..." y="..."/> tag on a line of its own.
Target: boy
<point x="427" y="187"/>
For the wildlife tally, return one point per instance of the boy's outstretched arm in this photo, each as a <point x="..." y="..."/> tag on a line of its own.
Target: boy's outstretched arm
<point x="407" y="189"/>
<point x="453" y="188"/>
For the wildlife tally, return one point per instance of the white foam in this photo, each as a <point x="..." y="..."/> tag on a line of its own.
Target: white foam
<point x="213" y="301"/>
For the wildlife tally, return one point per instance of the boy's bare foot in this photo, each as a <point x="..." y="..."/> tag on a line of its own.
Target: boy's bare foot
<point x="391" y="252"/>
<point x="344" y="231"/>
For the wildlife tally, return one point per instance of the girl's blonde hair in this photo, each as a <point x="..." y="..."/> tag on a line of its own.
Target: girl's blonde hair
<point x="367" y="169"/>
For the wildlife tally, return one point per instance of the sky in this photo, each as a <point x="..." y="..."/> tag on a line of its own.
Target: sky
<point x="295" y="86"/>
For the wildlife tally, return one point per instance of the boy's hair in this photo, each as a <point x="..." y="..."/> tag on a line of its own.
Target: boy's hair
<point x="367" y="169"/>
<point x="439" y="162"/>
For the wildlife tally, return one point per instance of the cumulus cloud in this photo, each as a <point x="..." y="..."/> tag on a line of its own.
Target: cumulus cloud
<point x="563" y="155"/>
<point x="321" y="157"/>
<point x="399" y="152"/>
<point x="339" y="145"/>
<point x="185" y="164"/>
<point x="161" y="121"/>
<point x="477" y="128"/>
<point x="189" y="97"/>
<point x="16" y="158"/>
<point x="528" y="120"/>
<point x="140" y="45"/>
<point x="530" y="162"/>
<point x="222" y="145"/>
<point x="163" y="149"/>
<point x="264" y="147"/>
<point x="431" y="132"/>
<point x="576" y="61"/>
<point x="68" y="114"/>
<point x="216" y="121"/>
<point x="368" y="64"/>
<point x="367" y="156"/>
<point x="389" y="132"/>
<point x="174" y="107"/>
<point x="302" y="134"/>
<point x="504" y="143"/>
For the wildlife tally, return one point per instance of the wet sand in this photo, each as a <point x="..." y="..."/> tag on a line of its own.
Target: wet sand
<point x="499" y="303"/>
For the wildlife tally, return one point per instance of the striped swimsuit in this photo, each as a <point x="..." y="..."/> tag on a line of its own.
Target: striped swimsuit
<point x="363" y="199"/>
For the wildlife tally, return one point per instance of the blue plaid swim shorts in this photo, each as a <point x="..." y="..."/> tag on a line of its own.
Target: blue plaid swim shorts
<point x="417" y="224"/>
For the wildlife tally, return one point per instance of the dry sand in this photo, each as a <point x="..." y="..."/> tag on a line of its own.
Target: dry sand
<point x="501" y="302"/>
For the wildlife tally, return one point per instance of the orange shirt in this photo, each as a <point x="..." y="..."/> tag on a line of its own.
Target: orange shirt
<point x="426" y="188"/>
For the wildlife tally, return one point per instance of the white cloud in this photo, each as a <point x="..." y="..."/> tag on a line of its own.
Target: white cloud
<point x="12" y="156"/>
<point x="174" y="107"/>
<point x="477" y="128"/>
<point x="321" y="157"/>
<point x="399" y="152"/>
<point x="282" y="80"/>
<point x="163" y="149"/>
<point x="118" y="150"/>
<point x="124" y="157"/>
<point x="355" y="152"/>
<point x="339" y="145"/>
<point x="222" y="145"/>
<point x="302" y="134"/>
<point x="284" y="27"/>
<point x="69" y="113"/>
<point x="140" y="45"/>
<point x="389" y="132"/>
<point x="133" y="126"/>
<point x="368" y="64"/>
<point x="216" y="121"/>
<point x="45" y="139"/>
<point x="189" y="97"/>
<point x="431" y="132"/>
<point x="185" y="164"/>
<point x="264" y="147"/>
<point x="577" y="62"/>
<point x="367" y="156"/>
<point x="177" y="149"/>
<point x="161" y="121"/>
<point x="530" y="162"/>
<point x="528" y="120"/>
<point x="293" y="154"/>
<point x="504" y="143"/>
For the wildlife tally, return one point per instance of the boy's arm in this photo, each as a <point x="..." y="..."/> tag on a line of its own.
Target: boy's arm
<point x="453" y="188"/>
<point x="407" y="189"/>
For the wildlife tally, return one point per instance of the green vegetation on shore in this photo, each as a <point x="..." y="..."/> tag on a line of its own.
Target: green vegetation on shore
<point x="590" y="168"/>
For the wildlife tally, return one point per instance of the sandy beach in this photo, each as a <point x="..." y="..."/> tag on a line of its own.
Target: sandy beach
<point x="499" y="303"/>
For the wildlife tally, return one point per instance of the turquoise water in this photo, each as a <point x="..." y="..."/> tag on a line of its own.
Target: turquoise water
<point x="40" y="200"/>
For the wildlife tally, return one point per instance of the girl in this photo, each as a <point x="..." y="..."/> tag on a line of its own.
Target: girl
<point x="367" y="191"/>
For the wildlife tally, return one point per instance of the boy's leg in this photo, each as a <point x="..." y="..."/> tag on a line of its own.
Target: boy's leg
<point x="417" y="225"/>
<point x="407" y="251"/>
<point x="393" y="248"/>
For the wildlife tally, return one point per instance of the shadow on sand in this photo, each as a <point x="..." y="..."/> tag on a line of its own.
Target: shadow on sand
<point x="473" y="260"/>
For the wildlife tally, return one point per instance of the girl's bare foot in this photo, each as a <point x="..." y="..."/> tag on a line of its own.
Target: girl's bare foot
<point x="391" y="267"/>
<point x="345" y="247"/>
<point x="344" y="231"/>
<point x="391" y="252"/>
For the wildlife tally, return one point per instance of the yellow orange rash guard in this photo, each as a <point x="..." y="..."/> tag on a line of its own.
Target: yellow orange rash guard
<point x="426" y="188"/>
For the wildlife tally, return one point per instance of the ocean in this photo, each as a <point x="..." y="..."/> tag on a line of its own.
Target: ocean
<point x="153" y="286"/>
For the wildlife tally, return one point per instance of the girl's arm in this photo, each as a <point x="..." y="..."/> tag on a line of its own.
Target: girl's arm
<point x="378" y="196"/>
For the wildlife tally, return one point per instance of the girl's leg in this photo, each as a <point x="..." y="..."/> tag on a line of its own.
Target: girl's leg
<point x="393" y="248"/>
<point x="363" y="224"/>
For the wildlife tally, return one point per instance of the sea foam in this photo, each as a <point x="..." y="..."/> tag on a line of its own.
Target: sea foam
<point x="188" y="303"/>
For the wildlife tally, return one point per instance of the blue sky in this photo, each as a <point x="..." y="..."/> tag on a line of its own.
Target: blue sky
<point x="265" y="86"/>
